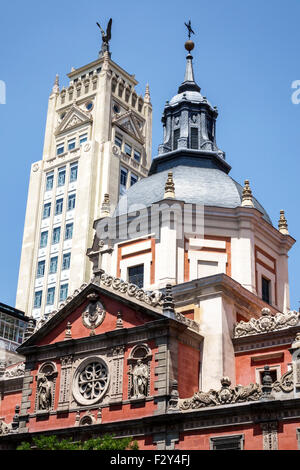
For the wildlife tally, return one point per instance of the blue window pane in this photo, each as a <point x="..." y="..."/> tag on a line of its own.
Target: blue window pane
<point x="50" y="295"/>
<point x="38" y="299"/>
<point x="63" y="292"/>
<point x="53" y="265"/>
<point x="61" y="177"/>
<point x="69" y="231"/>
<point x="49" y="182"/>
<point x="73" y="173"/>
<point x="60" y="149"/>
<point x="66" y="261"/>
<point x="118" y="141"/>
<point x="137" y="155"/>
<point x="71" y="202"/>
<point x="46" y="210"/>
<point x="44" y="239"/>
<point x="82" y="138"/>
<point x="56" y="235"/>
<point x="128" y="149"/>
<point x="59" y="206"/>
<point x="41" y="269"/>
<point x="71" y="144"/>
<point x="133" y="179"/>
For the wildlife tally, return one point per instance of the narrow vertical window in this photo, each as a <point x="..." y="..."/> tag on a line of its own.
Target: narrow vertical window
<point x="50" y="295"/>
<point x="38" y="299"/>
<point x="61" y="177"/>
<point x="194" y="138"/>
<point x="60" y="149"/>
<point x="66" y="261"/>
<point x="40" y="269"/>
<point x="53" y="265"/>
<point x="176" y="136"/>
<point x="69" y="231"/>
<point x="63" y="292"/>
<point x="136" y="275"/>
<point x="49" y="182"/>
<point x="265" y="289"/>
<point x="133" y="179"/>
<point x="56" y="235"/>
<point x="59" y="206"/>
<point x="73" y="172"/>
<point x="71" y="202"/>
<point x="46" y="210"/>
<point x="44" y="239"/>
<point x="123" y="180"/>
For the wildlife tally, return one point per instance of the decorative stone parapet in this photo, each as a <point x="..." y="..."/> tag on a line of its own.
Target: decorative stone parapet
<point x="16" y="371"/>
<point x="224" y="396"/>
<point x="266" y="323"/>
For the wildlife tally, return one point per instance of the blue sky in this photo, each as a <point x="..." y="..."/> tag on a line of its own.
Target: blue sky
<point x="245" y="60"/>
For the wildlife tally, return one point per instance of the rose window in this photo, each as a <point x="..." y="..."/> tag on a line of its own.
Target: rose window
<point x="91" y="382"/>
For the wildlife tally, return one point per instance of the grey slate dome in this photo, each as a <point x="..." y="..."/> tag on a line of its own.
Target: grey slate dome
<point x="194" y="185"/>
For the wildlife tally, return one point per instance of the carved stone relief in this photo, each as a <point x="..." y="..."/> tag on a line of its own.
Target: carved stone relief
<point x="270" y="437"/>
<point x="116" y="368"/>
<point x="267" y="322"/>
<point x="65" y="382"/>
<point x="91" y="380"/>
<point x="94" y="314"/>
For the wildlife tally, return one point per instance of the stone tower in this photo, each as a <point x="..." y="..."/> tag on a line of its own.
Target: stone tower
<point x="97" y="143"/>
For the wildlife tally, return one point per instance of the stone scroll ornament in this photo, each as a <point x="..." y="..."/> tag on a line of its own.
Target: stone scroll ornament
<point x="94" y="314"/>
<point x="225" y="396"/>
<point x="267" y="322"/>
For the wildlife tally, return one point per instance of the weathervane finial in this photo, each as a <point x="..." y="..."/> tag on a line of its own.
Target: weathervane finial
<point x="189" y="27"/>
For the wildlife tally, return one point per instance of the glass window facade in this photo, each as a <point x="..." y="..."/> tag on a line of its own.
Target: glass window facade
<point x="11" y="328"/>
<point x="71" y="144"/>
<point x="82" y="138"/>
<point x="118" y="141"/>
<point x="133" y="179"/>
<point x="128" y="149"/>
<point x="60" y="149"/>
<point x="137" y="155"/>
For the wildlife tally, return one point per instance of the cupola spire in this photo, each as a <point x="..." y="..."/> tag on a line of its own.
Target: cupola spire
<point x="189" y="83"/>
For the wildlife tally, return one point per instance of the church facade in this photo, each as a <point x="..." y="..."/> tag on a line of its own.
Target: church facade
<point x="183" y="337"/>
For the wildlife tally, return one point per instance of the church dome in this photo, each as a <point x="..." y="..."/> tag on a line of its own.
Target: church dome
<point x="194" y="185"/>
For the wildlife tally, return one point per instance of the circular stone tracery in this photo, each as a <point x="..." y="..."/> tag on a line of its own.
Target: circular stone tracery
<point x="91" y="381"/>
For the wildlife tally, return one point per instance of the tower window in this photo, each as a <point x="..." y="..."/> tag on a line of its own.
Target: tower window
<point x="128" y="149"/>
<point x="118" y="141"/>
<point x="265" y="289"/>
<point x="71" y="144"/>
<point x="38" y="299"/>
<point x="50" y="295"/>
<point x="59" y="206"/>
<point x="60" y="149"/>
<point x="194" y="138"/>
<point x="63" y="292"/>
<point x="175" y="138"/>
<point x="123" y="180"/>
<point x="40" y="269"/>
<point x="82" y="138"/>
<point x="49" y="182"/>
<point x="66" y="261"/>
<point x="71" y="202"/>
<point x="73" y="172"/>
<point x="56" y="235"/>
<point x="136" y="275"/>
<point x="133" y="179"/>
<point x="137" y="156"/>
<point x="53" y="265"/>
<point x="61" y="177"/>
<point x="69" y="231"/>
<point x="44" y="239"/>
<point x="46" y="210"/>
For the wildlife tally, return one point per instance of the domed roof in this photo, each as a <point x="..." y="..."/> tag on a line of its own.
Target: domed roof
<point x="193" y="96"/>
<point x="197" y="185"/>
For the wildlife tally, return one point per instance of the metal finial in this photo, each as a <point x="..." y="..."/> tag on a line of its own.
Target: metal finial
<point x="189" y="27"/>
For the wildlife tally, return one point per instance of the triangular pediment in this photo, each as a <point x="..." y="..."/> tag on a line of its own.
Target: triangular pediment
<point x="129" y="124"/>
<point x="75" y="117"/>
<point x="103" y="302"/>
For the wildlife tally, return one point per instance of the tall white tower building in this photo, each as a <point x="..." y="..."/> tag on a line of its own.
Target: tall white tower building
<point x="97" y="143"/>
